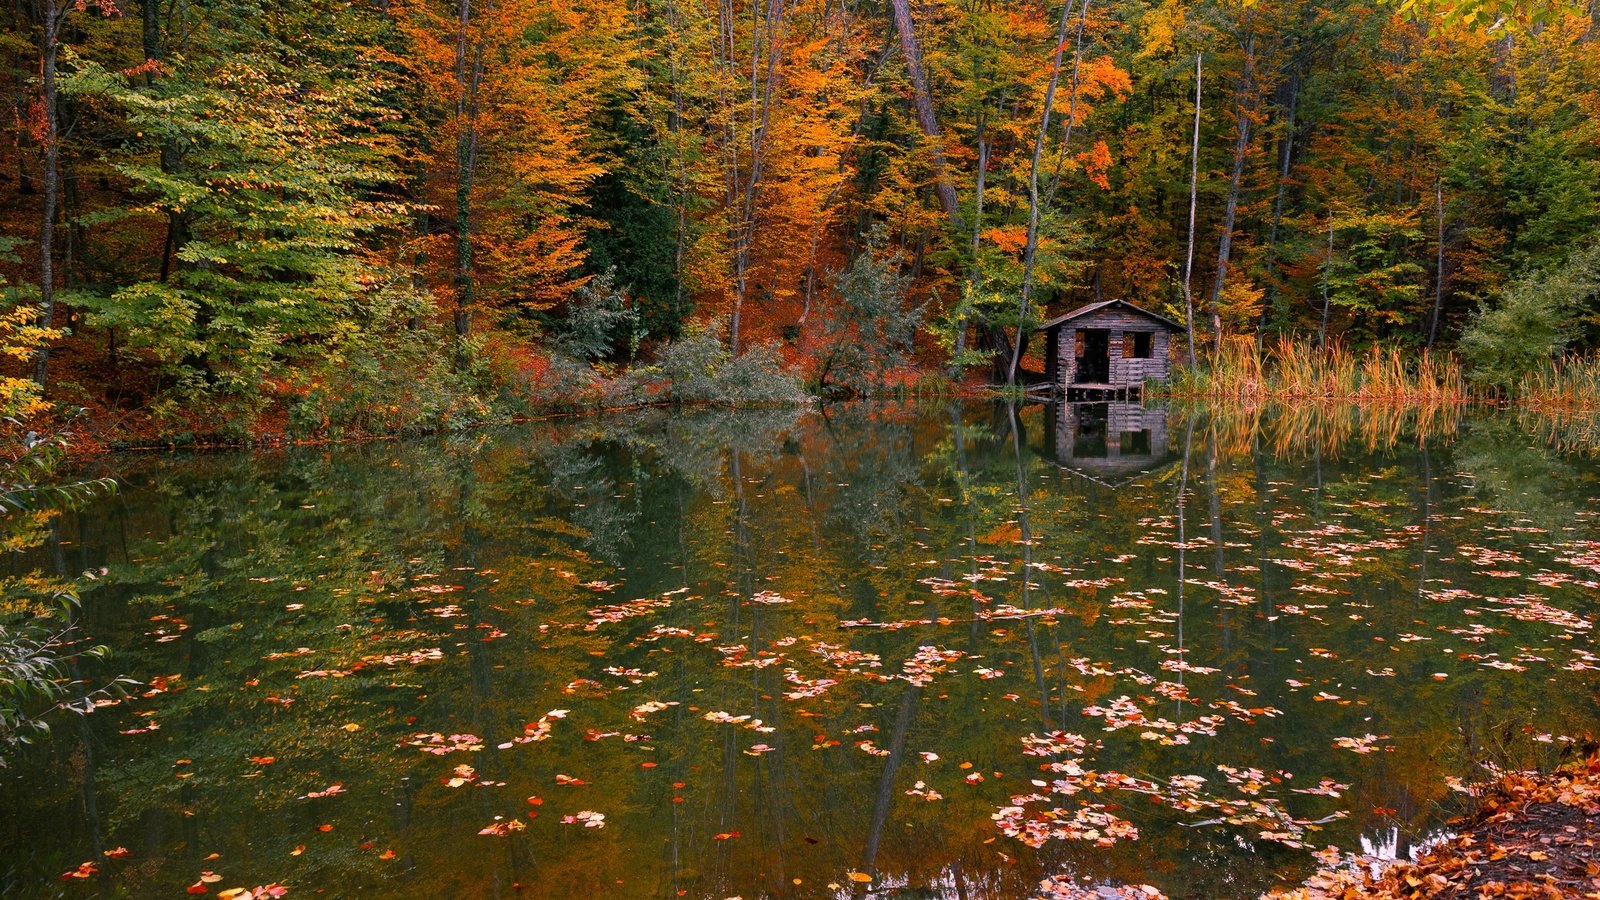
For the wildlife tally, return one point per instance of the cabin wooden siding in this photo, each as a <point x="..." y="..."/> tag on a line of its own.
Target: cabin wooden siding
<point x="1125" y="371"/>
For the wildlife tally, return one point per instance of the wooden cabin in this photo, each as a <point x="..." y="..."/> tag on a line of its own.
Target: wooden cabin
<point x="1107" y="348"/>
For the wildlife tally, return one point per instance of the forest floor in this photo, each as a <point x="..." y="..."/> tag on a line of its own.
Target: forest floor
<point x="1532" y="835"/>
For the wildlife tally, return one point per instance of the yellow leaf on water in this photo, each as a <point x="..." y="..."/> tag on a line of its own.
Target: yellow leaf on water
<point x="860" y="877"/>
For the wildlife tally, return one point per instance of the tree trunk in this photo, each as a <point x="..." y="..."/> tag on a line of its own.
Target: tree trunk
<point x="469" y="77"/>
<point x="1285" y="163"/>
<point x="1031" y="245"/>
<point x="923" y="100"/>
<point x="1241" y="148"/>
<point x="52" y="18"/>
<point x="975" y="277"/>
<point x="1194" y="185"/>
<point x="1438" y="268"/>
<point x="761" y="92"/>
<point x="1327" y="268"/>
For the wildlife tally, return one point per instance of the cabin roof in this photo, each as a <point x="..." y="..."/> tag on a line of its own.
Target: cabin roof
<point x="1093" y="308"/>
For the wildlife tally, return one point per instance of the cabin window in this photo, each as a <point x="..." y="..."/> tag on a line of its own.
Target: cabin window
<point x="1137" y="344"/>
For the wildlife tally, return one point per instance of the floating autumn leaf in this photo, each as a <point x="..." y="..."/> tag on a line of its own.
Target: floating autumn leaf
<point x="330" y="791"/>
<point x="262" y="892"/>
<point x="588" y="818"/>
<point x="859" y="877"/>
<point x="84" y="870"/>
<point x="502" y="828"/>
<point x="117" y="853"/>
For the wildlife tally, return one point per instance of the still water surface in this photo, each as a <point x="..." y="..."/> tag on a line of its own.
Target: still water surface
<point x="969" y="652"/>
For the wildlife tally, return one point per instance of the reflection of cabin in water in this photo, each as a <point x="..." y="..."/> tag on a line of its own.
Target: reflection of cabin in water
<point x="1111" y="347"/>
<point x="1110" y="443"/>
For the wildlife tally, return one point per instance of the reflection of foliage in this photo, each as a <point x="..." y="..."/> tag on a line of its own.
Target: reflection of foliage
<point x="877" y="585"/>
<point x="37" y="613"/>
<point x="1510" y="472"/>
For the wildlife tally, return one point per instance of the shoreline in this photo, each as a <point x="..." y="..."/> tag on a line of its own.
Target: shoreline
<point x="1532" y="835"/>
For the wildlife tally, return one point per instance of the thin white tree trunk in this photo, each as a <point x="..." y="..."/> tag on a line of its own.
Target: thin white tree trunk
<point x="1194" y="185"/>
<point x="1241" y="152"/>
<point x="51" y="51"/>
<point x="1031" y="246"/>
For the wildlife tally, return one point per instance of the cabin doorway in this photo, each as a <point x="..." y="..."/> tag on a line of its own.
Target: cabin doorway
<point x="1094" y="357"/>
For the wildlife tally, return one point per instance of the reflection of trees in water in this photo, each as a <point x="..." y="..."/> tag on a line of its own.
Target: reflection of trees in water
<point x="1514" y="472"/>
<point x="869" y="480"/>
<point x="841" y="510"/>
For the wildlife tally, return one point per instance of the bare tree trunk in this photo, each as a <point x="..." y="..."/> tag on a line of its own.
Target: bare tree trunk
<point x="469" y="78"/>
<point x="1438" y="268"/>
<point x="1194" y="185"/>
<point x="1031" y="245"/>
<point x="975" y="277"/>
<point x="761" y="92"/>
<point x="923" y="100"/>
<point x="1285" y="163"/>
<point x="50" y="53"/>
<point x="675" y="128"/>
<point x="1327" y="267"/>
<point x="1241" y="149"/>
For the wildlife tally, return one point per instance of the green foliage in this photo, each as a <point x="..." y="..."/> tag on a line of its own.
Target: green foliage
<point x="1537" y="317"/>
<point x="697" y="368"/>
<point x="263" y="167"/>
<point x="37" y="613"/>
<point x="599" y="321"/>
<point x="384" y="374"/>
<point x="872" y="329"/>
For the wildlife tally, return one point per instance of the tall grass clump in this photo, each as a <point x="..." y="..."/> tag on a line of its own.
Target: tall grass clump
<point x="1301" y="371"/>
<point x="1570" y="383"/>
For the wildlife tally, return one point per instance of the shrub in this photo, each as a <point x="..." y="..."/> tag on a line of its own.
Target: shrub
<point x="599" y="320"/>
<point x="871" y="331"/>
<point x="1537" y="318"/>
<point x="698" y="368"/>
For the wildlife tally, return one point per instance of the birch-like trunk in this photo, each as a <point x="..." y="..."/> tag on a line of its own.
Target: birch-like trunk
<point x="1327" y="269"/>
<point x="1241" y="152"/>
<point x="469" y="79"/>
<point x="1031" y="245"/>
<point x="1438" y="266"/>
<point x="50" y="53"/>
<point x="1194" y="185"/>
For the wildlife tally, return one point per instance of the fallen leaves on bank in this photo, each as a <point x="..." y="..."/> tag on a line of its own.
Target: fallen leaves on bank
<point x="1534" y="836"/>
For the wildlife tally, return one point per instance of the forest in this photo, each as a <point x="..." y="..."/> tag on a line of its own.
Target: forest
<point x="322" y="218"/>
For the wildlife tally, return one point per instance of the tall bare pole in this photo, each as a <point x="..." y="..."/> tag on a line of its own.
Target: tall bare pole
<point x="1194" y="185"/>
<point x="1031" y="245"/>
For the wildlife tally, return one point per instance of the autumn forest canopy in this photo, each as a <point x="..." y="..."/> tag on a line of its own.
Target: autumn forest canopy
<point x="386" y="215"/>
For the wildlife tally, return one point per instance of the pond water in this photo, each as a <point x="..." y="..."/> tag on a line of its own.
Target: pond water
<point x="966" y="651"/>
